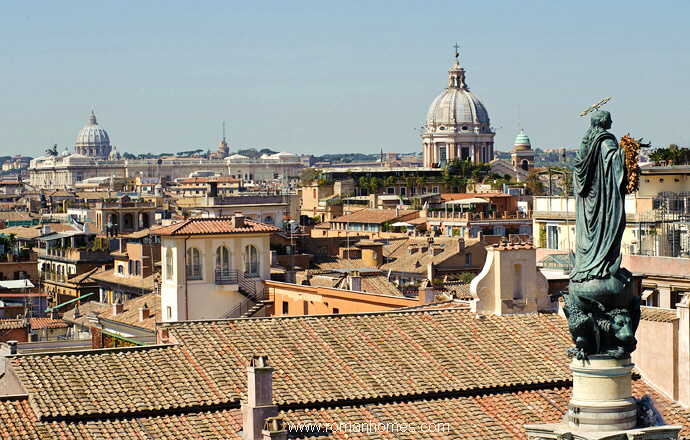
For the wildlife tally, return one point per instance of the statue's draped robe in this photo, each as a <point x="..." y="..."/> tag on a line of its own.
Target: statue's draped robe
<point x="600" y="212"/>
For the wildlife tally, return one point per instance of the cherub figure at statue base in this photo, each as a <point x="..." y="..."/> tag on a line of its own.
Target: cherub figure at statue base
<point x="603" y="315"/>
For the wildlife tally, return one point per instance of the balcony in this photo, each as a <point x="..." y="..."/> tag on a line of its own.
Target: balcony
<point x="74" y="254"/>
<point x="468" y="216"/>
<point x="225" y="277"/>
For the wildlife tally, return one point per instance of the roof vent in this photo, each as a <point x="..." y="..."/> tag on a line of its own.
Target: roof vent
<point x="144" y="313"/>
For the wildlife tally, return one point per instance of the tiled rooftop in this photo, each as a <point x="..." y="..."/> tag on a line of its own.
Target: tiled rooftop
<point x="658" y="314"/>
<point x="130" y="312"/>
<point x="208" y="226"/>
<point x="481" y="415"/>
<point x="322" y="359"/>
<point x="12" y="324"/>
<point x="47" y="323"/>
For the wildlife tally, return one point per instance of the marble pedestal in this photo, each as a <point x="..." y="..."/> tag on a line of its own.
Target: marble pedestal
<point x="602" y="407"/>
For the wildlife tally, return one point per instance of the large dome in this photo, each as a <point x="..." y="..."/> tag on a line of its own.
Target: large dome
<point x="522" y="141"/>
<point x="457" y="109"/>
<point x="93" y="140"/>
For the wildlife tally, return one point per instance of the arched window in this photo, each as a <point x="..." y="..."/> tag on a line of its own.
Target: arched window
<point x="168" y="263"/>
<point x="251" y="261"/>
<point x="193" y="264"/>
<point x="121" y="269"/>
<point x="268" y="219"/>
<point x="222" y="261"/>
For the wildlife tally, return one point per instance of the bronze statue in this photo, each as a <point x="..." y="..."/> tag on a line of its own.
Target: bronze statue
<point x="602" y="310"/>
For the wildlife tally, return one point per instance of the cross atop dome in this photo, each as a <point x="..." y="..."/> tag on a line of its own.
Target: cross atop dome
<point x="456" y="50"/>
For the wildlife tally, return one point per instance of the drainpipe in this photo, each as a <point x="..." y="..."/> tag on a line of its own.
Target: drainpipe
<point x="186" y="303"/>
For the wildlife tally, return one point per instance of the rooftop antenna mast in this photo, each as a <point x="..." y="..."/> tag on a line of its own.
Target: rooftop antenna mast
<point x="223" y="131"/>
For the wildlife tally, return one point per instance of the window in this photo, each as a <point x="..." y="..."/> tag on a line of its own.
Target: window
<point x="374" y="255"/>
<point x="552" y="237"/>
<point x="137" y="267"/>
<point x="121" y="269"/>
<point x="194" y="264"/>
<point x="390" y="190"/>
<point x="468" y="260"/>
<point x="268" y="219"/>
<point x="169" y="312"/>
<point x="168" y="263"/>
<point x="222" y="261"/>
<point x="434" y="189"/>
<point x="286" y="308"/>
<point x="131" y="267"/>
<point x="251" y="261"/>
<point x="336" y="310"/>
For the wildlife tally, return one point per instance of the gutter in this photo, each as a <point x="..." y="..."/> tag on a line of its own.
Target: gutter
<point x="186" y="302"/>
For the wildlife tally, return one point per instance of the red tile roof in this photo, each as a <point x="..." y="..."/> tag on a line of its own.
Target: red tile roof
<point x="12" y="324"/>
<point x="43" y="323"/>
<point x="217" y="225"/>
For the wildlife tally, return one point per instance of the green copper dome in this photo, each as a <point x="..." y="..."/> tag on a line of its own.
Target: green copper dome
<point x="522" y="139"/>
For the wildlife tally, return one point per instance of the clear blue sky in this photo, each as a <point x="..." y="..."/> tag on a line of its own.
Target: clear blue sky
<point x="330" y="77"/>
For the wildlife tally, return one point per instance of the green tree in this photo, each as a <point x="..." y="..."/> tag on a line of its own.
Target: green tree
<point x="657" y="156"/>
<point x="375" y="185"/>
<point x="308" y="175"/>
<point x="52" y="152"/>
<point x="391" y="180"/>
<point x="534" y="184"/>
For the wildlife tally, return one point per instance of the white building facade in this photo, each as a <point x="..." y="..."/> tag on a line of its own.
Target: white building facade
<point x="212" y="265"/>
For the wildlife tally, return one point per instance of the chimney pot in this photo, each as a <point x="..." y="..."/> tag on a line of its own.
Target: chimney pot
<point x="144" y="313"/>
<point x="13" y="346"/>
<point x="118" y="308"/>
<point x="274" y="429"/>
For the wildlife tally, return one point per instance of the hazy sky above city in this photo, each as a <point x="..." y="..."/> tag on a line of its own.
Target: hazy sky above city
<point x="333" y="77"/>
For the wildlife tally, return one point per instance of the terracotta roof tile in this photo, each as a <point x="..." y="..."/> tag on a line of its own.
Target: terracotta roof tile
<point x="316" y="359"/>
<point x="218" y="225"/>
<point x="47" y="323"/>
<point x="12" y="324"/>
<point x="658" y="314"/>
<point x="130" y="312"/>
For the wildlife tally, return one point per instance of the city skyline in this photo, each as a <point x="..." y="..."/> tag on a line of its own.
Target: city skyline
<point x="316" y="79"/>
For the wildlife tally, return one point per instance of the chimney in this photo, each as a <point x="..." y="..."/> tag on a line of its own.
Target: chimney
<point x="87" y="229"/>
<point x="13" y="346"/>
<point x="426" y="293"/>
<point x="355" y="279"/>
<point x="123" y="245"/>
<point x="259" y="406"/>
<point x="237" y="220"/>
<point x="430" y="271"/>
<point x="274" y="429"/>
<point x="54" y="314"/>
<point x="461" y="245"/>
<point x="118" y="307"/>
<point x="144" y="313"/>
<point x="76" y="312"/>
<point x="46" y="230"/>
<point x="683" y="313"/>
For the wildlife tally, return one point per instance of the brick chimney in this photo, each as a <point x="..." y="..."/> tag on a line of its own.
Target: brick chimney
<point x="274" y="429"/>
<point x="118" y="308"/>
<point x="238" y="220"/>
<point x="426" y="293"/>
<point x="144" y="313"/>
<point x="259" y="406"/>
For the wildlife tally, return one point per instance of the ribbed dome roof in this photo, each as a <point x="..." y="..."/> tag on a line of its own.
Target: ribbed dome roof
<point x="93" y="135"/>
<point x="457" y="106"/>
<point x="522" y="141"/>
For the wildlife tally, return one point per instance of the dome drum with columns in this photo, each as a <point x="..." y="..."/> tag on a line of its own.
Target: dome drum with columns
<point x="92" y="140"/>
<point x="457" y="125"/>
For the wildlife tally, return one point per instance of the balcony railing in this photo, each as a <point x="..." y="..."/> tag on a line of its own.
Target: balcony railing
<point x="466" y="216"/>
<point x="226" y="276"/>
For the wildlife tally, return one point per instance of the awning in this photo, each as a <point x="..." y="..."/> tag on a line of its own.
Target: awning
<point x="15" y="284"/>
<point x="405" y="224"/>
<point x="470" y="201"/>
<point x="647" y="293"/>
<point x="70" y="301"/>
